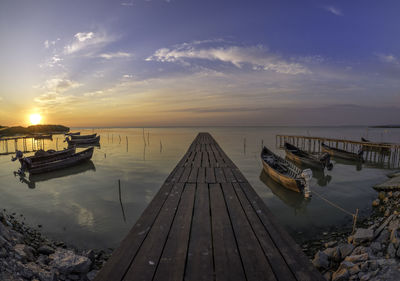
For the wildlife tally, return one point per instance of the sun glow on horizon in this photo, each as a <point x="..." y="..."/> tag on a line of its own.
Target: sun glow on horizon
<point x="35" y="118"/>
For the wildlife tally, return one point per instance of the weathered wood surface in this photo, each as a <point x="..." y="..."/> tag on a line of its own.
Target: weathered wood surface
<point x="207" y="223"/>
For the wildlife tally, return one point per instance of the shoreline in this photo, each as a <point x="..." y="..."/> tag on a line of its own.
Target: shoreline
<point x="26" y="254"/>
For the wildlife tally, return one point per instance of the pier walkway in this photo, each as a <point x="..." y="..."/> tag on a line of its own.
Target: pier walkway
<point x="207" y="223"/>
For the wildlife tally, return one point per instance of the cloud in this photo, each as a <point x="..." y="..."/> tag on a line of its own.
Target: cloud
<point x="47" y="44"/>
<point x="58" y="85"/>
<point x="257" y="57"/>
<point x="52" y="62"/>
<point x="333" y="10"/>
<point x="85" y="40"/>
<point x="129" y="4"/>
<point x="388" y="58"/>
<point x="109" y="56"/>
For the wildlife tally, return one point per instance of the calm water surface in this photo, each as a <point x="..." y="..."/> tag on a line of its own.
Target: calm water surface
<point x="84" y="206"/>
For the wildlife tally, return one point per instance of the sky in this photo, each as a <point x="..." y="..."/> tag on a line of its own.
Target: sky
<point x="148" y="63"/>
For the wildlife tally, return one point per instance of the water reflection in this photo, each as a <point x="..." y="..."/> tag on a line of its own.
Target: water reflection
<point x="295" y="200"/>
<point x="78" y="169"/>
<point x="357" y="164"/>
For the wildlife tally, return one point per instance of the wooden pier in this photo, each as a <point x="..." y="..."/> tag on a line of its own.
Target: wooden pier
<point x="380" y="154"/>
<point x="27" y="141"/>
<point x="207" y="223"/>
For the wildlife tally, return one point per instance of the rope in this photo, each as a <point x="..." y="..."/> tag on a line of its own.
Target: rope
<point x="333" y="204"/>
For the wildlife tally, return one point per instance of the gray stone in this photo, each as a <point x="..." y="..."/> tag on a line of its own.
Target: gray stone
<point x="391" y="251"/>
<point x="354" y="270"/>
<point x="364" y="266"/>
<point x="321" y="260"/>
<point x="383" y="237"/>
<point x="341" y="275"/>
<point x="362" y="235"/>
<point x="92" y="274"/>
<point x="330" y="252"/>
<point x="364" y="276"/>
<point x="376" y="247"/>
<point x="67" y="261"/>
<point x="47" y="276"/>
<point x="345" y="250"/>
<point x="4" y="232"/>
<point x="24" y="251"/>
<point x="45" y="250"/>
<point x="330" y="244"/>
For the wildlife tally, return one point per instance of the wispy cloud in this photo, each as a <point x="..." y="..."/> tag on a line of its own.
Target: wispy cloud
<point x="85" y="40"/>
<point x="257" y="57"/>
<point x="388" y="58"/>
<point x="334" y="10"/>
<point x="109" y="56"/>
<point x="129" y="4"/>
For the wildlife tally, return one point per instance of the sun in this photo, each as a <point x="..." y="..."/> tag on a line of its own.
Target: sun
<point x="35" y="119"/>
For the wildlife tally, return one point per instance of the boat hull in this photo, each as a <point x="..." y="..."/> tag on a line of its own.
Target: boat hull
<point x="78" y="137"/>
<point x="83" y="141"/>
<point x="285" y="181"/>
<point x="341" y="153"/>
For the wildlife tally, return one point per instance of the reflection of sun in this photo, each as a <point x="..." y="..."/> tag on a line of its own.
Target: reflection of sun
<point x="35" y="118"/>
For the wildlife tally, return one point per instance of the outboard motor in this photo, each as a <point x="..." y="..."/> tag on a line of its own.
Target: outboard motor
<point x="18" y="155"/>
<point x="306" y="174"/>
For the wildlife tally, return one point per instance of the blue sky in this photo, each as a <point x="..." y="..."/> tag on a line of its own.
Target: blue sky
<point x="182" y="62"/>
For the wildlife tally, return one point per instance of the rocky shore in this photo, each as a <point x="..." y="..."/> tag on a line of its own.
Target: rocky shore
<point x="26" y="255"/>
<point x="371" y="253"/>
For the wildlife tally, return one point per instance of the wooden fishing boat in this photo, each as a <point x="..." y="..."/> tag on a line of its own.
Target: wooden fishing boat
<point x="286" y="173"/>
<point x="375" y="148"/>
<point x="72" y="134"/>
<point x="62" y="163"/>
<point x="42" y="156"/>
<point x="79" y="137"/>
<point x="92" y="140"/>
<point x="299" y="157"/>
<point x="340" y="153"/>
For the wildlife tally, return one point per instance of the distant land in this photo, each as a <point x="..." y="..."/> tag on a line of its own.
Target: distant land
<point x="385" y="126"/>
<point x="32" y="130"/>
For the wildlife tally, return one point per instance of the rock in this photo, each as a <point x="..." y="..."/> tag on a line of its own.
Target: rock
<point x="381" y="195"/>
<point x="363" y="234"/>
<point x="24" y="251"/>
<point x="4" y="232"/>
<point x="330" y="252"/>
<point x="364" y="266"/>
<point x="90" y="254"/>
<point x="357" y="258"/>
<point x="73" y="277"/>
<point x="345" y="250"/>
<point x="92" y="274"/>
<point x="67" y="261"/>
<point x="395" y="238"/>
<point x="346" y="264"/>
<point x="364" y="276"/>
<point x="350" y="239"/>
<point x="341" y="275"/>
<point x="48" y="276"/>
<point x="387" y="213"/>
<point x="321" y="260"/>
<point x="390" y="194"/>
<point x="385" y="200"/>
<point x="373" y="265"/>
<point x="391" y="251"/>
<point x="354" y="270"/>
<point x="383" y="237"/>
<point x="396" y="194"/>
<point x="45" y="250"/>
<point x="376" y="247"/>
<point x="376" y="203"/>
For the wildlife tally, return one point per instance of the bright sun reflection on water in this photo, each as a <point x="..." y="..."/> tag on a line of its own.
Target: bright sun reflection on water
<point x="35" y="119"/>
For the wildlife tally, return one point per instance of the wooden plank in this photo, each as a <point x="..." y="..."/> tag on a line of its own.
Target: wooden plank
<point x="193" y="175"/>
<point x="197" y="159"/>
<point x="201" y="176"/>
<point x="210" y="175"/>
<point x="219" y="175"/>
<point x="148" y="256"/>
<point x="200" y="256"/>
<point x="228" y="265"/>
<point x="229" y="175"/>
<point x="118" y="264"/>
<point x="278" y="263"/>
<point x="211" y="157"/>
<point x="172" y="263"/>
<point x="185" y="174"/>
<point x="255" y="263"/>
<point x="291" y="252"/>
<point x="238" y="175"/>
<point x="205" y="162"/>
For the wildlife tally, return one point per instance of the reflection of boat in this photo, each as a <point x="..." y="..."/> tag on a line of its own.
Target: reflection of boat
<point x="72" y="134"/>
<point x="291" y="199"/>
<point x="285" y="172"/>
<point x="63" y="163"/>
<point x="340" y="153"/>
<point x="299" y="156"/>
<point x="74" y="170"/>
<point x="83" y="141"/>
<point x="78" y="137"/>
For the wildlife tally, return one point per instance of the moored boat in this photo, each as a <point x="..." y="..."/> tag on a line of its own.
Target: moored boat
<point x="340" y="153"/>
<point x="78" y="137"/>
<point x="92" y="140"/>
<point x="72" y="160"/>
<point x="72" y="134"/>
<point x="376" y="146"/>
<point x="300" y="157"/>
<point x="44" y="156"/>
<point x="286" y="173"/>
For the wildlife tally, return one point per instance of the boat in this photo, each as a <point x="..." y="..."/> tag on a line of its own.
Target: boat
<point x="299" y="156"/>
<point x="42" y="156"/>
<point x="377" y="148"/>
<point x="340" y="153"/>
<point x="72" y="134"/>
<point x="72" y="160"/>
<point x="285" y="172"/>
<point x="92" y="140"/>
<point x="78" y="137"/>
